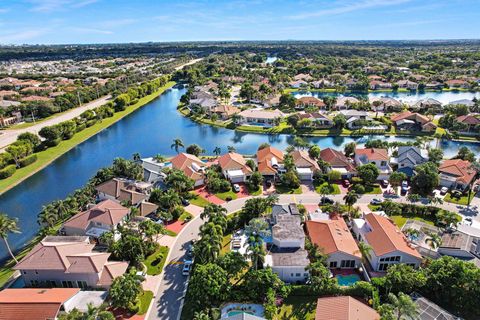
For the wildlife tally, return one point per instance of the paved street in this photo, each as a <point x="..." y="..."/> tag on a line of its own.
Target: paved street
<point x="9" y="136"/>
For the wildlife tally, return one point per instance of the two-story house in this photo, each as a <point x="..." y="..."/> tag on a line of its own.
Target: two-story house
<point x="192" y="167"/>
<point x="270" y="162"/>
<point x="379" y="157"/>
<point x="338" y="162"/>
<point x="234" y="167"/>
<point x="456" y="174"/>
<point x="408" y="157"/>
<point x="305" y="165"/>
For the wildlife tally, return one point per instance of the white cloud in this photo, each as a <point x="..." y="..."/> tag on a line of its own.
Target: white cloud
<point x="348" y="7"/>
<point x="116" y="23"/>
<point x="19" y="37"/>
<point x="46" y="6"/>
<point x="91" y="31"/>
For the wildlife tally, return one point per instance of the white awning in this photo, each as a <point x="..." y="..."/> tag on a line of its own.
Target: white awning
<point x="304" y="170"/>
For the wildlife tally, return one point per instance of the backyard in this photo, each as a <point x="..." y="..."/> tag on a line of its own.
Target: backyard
<point x="297" y="308"/>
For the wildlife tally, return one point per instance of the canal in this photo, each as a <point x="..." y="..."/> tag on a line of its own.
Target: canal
<point x="149" y="131"/>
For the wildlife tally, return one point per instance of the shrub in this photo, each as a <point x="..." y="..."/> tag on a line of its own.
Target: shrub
<point x="5" y="159"/>
<point x="8" y="171"/>
<point x="52" y="143"/>
<point x="81" y="127"/>
<point x="91" y="122"/>
<point x="27" y="161"/>
<point x="358" y="188"/>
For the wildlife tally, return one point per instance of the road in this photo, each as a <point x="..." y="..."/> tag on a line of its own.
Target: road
<point x="188" y="63"/>
<point x="168" y="298"/>
<point x="9" y="136"/>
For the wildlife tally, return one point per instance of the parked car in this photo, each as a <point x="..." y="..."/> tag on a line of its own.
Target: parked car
<point x="443" y="191"/>
<point x="190" y="250"/>
<point x="187" y="266"/>
<point x="384" y="183"/>
<point x="326" y="200"/>
<point x="236" y="188"/>
<point x="346" y="183"/>
<point x="404" y="187"/>
<point x="469" y="220"/>
<point x="376" y="201"/>
<point x="268" y="183"/>
<point x="185" y="202"/>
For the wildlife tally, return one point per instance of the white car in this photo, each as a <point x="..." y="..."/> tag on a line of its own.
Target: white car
<point x="236" y="188"/>
<point x="444" y="190"/>
<point x="187" y="266"/>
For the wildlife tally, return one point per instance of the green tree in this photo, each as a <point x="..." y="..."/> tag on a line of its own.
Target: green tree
<point x="314" y="151"/>
<point x="255" y="181"/>
<point x="435" y="155"/>
<point x="464" y="153"/>
<point x="30" y="137"/>
<point x="339" y="121"/>
<point x="215" y="214"/>
<point x="177" y="144"/>
<point x="334" y="175"/>
<point x="349" y="149"/>
<point x="8" y="225"/>
<point x="233" y="263"/>
<point x="425" y="179"/>
<point x="209" y="285"/>
<point x="217" y="151"/>
<point x="402" y="306"/>
<point x="124" y="290"/>
<point x="403" y="278"/>
<point x="195" y="149"/>
<point x="368" y="173"/>
<point x="396" y="178"/>
<point x="350" y="199"/>
<point x="365" y="250"/>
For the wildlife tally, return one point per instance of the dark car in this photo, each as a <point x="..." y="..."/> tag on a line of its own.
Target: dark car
<point x="268" y="183"/>
<point x="346" y="183"/>
<point x="376" y="201"/>
<point x="185" y="202"/>
<point x="326" y="200"/>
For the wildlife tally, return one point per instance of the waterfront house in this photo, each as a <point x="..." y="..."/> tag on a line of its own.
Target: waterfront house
<point x="224" y="112"/>
<point x="68" y="262"/>
<point x="305" y="102"/>
<point x="120" y="190"/>
<point x="322" y="83"/>
<point x="379" y="157"/>
<point x="298" y="84"/>
<point x="407" y="84"/>
<point x="356" y="118"/>
<point x="103" y="217"/>
<point x="34" y="304"/>
<point x="389" y="244"/>
<point x="465" y="102"/>
<point x="287" y="256"/>
<point x="427" y="105"/>
<point x="305" y="165"/>
<point x="456" y="174"/>
<point x="344" y="308"/>
<point x="385" y="104"/>
<point x="412" y="121"/>
<point x="338" y="162"/>
<point x="270" y="162"/>
<point x="318" y="120"/>
<point x="334" y="239"/>
<point x="260" y="117"/>
<point x="434" y="85"/>
<point x="303" y="76"/>
<point x="471" y="121"/>
<point x="152" y="170"/>
<point x="379" y="85"/>
<point x="344" y="103"/>
<point x="408" y="157"/>
<point x="191" y="166"/>
<point x="234" y="167"/>
<point x="456" y="83"/>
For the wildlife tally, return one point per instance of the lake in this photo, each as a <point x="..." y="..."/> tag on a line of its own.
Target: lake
<point x="149" y="131"/>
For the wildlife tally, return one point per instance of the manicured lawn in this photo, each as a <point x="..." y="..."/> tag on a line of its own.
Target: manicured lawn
<point x="225" y="195"/>
<point x="144" y="301"/>
<point x="170" y="233"/>
<point x="156" y="261"/>
<point x="462" y="200"/>
<point x="226" y="244"/>
<point x="254" y="192"/>
<point x="283" y="189"/>
<point x="375" y="207"/>
<point x="334" y="188"/>
<point x="198" y="201"/>
<point x="185" y="216"/>
<point x="47" y="156"/>
<point x="297" y="308"/>
<point x="401" y="220"/>
<point x="375" y="189"/>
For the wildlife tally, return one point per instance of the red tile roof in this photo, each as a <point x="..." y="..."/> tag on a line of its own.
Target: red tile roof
<point x="344" y="308"/>
<point x="336" y="159"/>
<point x="264" y="159"/>
<point x="107" y="212"/>
<point x="417" y="117"/>
<point x="459" y="168"/>
<point x="469" y="119"/>
<point x="234" y="161"/>
<point x="186" y="163"/>
<point x="373" y="153"/>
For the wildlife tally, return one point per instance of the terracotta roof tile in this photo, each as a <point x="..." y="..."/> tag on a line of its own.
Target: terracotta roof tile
<point x="373" y="153"/>
<point x="459" y="168"/>
<point x="107" y="212"/>
<point x="344" y="308"/>
<point x="336" y="159"/>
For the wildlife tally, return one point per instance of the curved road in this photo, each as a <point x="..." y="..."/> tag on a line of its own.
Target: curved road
<point x="168" y="299"/>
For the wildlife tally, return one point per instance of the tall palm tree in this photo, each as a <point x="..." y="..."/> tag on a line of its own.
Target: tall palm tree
<point x="365" y="250"/>
<point x="136" y="156"/>
<point x="8" y="225"/>
<point x="350" y="199"/>
<point x="231" y="149"/>
<point x="159" y="158"/>
<point x="177" y="144"/>
<point x="433" y="240"/>
<point x="403" y="306"/>
<point x="48" y="216"/>
<point x="217" y="151"/>
<point x="216" y="214"/>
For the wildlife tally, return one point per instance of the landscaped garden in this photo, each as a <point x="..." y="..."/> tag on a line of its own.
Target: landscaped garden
<point x="156" y="261"/>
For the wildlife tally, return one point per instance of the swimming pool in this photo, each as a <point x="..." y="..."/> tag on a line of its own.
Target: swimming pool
<point x="234" y="313"/>
<point x="348" y="280"/>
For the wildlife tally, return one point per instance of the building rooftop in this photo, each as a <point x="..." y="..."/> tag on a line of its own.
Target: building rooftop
<point x="344" y="308"/>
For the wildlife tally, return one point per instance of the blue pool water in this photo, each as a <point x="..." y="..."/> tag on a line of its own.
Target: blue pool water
<point x="348" y="280"/>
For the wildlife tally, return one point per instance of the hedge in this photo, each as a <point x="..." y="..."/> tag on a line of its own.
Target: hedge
<point x="8" y="171"/>
<point x="91" y="122"/>
<point x="27" y="161"/>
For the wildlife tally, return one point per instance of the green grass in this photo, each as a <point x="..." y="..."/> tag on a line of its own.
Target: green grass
<point x="47" y="156"/>
<point x="186" y="216"/>
<point x="286" y="190"/>
<point x="198" y="201"/>
<point x="144" y="300"/>
<point x="375" y="189"/>
<point x="333" y="187"/>
<point x="401" y="220"/>
<point x="463" y="200"/>
<point x="297" y="308"/>
<point x="156" y="261"/>
<point x="254" y="192"/>
<point x="225" y="195"/>
<point x="170" y="233"/>
<point x="374" y="207"/>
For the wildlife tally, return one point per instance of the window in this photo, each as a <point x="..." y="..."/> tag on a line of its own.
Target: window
<point x="298" y="274"/>
<point x="382" y="266"/>
<point x="383" y="163"/>
<point x="34" y="283"/>
<point x="305" y="275"/>
<point x="333" y="264"/>
<point x="67" y="284"/>
<point x="82" y="284"/>
<point x="51" y="284"/>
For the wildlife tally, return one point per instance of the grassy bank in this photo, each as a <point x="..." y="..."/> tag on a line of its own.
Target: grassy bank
<point x="47" y="156"/>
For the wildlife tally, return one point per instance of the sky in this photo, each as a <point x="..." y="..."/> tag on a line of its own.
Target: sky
<point x="120" y="21"/>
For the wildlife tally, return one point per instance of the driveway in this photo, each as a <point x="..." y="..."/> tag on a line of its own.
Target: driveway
<point x="202" y="192"/>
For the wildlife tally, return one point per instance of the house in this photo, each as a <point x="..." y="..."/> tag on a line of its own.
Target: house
<point x="344" y="308"/>
<point x="68" y="262"/>
<point x="191" y="166"/>
<point x="457" y="84"/>
<point x="287" y="256"/>
<point x="456" y="174"/>
<point x="120" y="190"/>
<point x="338" y="162"/>
<point x="471" y="121"/>
<point x="435" y="85"/>
<point x="412" y="121"/>
<point x="389" y="244"/>
<point x="322" y="83"/>
<point x="378" y="85"/>
<point x="356" y="118"/>
<point x="103" y="217"/>
<point x="304" y="102"/>
<point x="224" y="112"/>
<point x="379" y="157"/>
<point x="344" y="103"/>
<point x="206" y="104"/>
<point x="152" y="170"/>
<point x="407" y="84"/>
<point x="260" y="117"/>
<point x="318" y="120"/>
<point x="408" y="158"/>
<point x="305" y="165"/>
<point x="284" y="209"/>
<point x="465" y="102"/>
<point x="34" y="304"/>
<point x="334" y="239"/>
<point x="234" y="167"/>
<point x="269" y="162"/>
<point x="298" y="84"/>
<point x="461" y="245"/>
<point x="303" y="76"/>
<point x="425" y="105"/>
<point x="385" y="104"/>
<point x="427" y="310"/>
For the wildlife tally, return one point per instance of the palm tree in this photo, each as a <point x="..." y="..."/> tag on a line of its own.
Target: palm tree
<point x="350" y="199"/>
<point x="136" y="157"/>
<point x="217" y="151"/>
<point x="403" y="306"/>
<point x="159" y="158"/>
<point x="365" y="250"/>
<point x="200" y="315"/>
<point x="48" y="216"/>
<point x="177" y="144"/>
<point x="433" y="240"/>
<point x="231" y="149"/>
<point x="324" y="190"/>
<point x="216" y="214"/>
<point x="8" y="225"/>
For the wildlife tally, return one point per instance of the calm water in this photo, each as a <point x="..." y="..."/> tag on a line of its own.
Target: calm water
<point x="149" y="131"/>
<point x="406" y="97"/>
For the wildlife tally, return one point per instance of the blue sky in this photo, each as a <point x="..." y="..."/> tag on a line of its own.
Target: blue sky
<point x="107" y="21"/>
